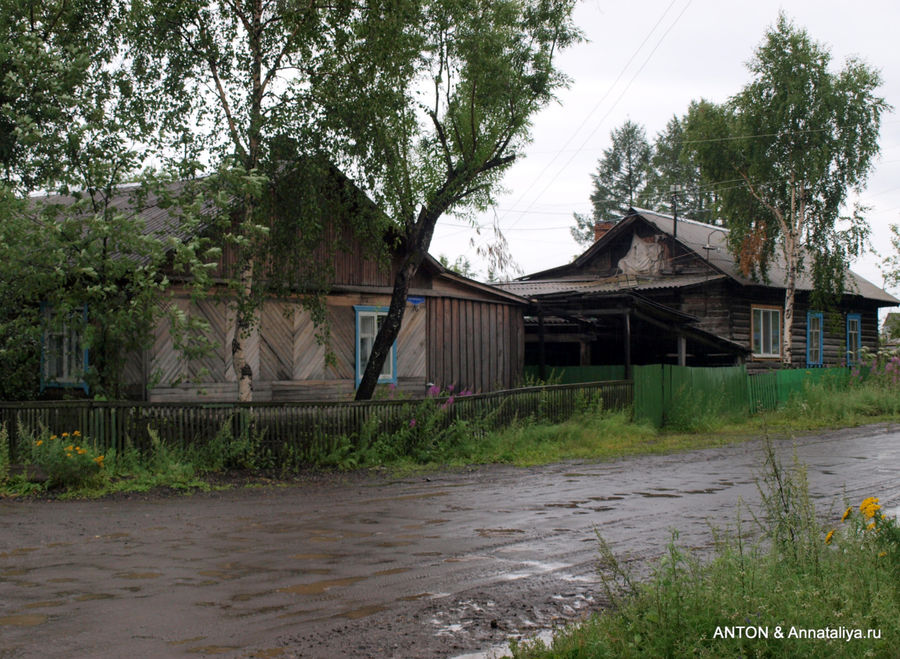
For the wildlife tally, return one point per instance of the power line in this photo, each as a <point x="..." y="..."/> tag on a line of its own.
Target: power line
<point x="603" y="99"/>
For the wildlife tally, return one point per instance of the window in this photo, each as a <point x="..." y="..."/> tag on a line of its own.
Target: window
<point x="854" y="337"/>
<point x="814" y="325"/>
<point x="368" y="322"/>
<point x="64" y="359"/>
<point x="766" y="331"/>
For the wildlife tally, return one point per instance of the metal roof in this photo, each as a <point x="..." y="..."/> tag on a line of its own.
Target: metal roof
<point x="605" y="285"/>
<point x="710" y="242"/>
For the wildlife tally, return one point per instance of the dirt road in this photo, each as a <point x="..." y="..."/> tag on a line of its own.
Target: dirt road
<point x="423" y="567"/>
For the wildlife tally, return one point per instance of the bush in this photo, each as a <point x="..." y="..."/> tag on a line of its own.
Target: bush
<point x="67" y="460"/>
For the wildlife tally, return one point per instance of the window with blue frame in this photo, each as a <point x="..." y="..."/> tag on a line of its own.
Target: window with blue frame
<point x="854" y="337"/>
<point x="814" y="338"/>
<point x="368" y="322"/>
<point x="64" y="359"/>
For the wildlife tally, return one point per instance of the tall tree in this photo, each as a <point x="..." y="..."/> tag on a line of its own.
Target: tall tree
<point x="440" y="125"/>
<point x="673" y="164"/>
<point x="235" y="89"/>
<point x="620" y="179"/>
<point x="70" y="123"/>
<point x="800" y="138"/>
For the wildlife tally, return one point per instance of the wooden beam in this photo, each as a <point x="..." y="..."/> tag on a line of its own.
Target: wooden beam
<point x="682" y="350"/>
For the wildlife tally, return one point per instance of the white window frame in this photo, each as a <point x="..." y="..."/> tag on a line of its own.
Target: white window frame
<point x="364" y="339"/>
<point x="64" y="359"/>
<point x="815" y="354"/>
<point x="769" y="344"/>
<point x="854" y="345"/>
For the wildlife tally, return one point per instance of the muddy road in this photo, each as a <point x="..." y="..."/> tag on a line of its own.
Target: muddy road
<point x="428" y="566"/>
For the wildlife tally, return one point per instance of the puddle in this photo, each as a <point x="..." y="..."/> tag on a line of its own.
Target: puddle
<point x="319" y="587"/>
<point x="546" y="636"/>
<point x="498" y="533"/>
<point x="187" y="640"/>
<point x="611" y="498"/>
<point x="413" y="598"/>
<point x="89" y="597"/>
<point x="61" y="580"/>
<point x="571" y="504"/>
<point x="658" y="495"/>
<point x="15" y="572"/>
<point x="17" y="552"/>
<point x="709" y="490"/>
<point x="138" y="575"/>
<point x="213" y="649"/>
<point x="44" y="605"/>
<point x="396" y="570"/>
<point x="24" y="620"/>
<point x="114" y="536"/>
<point x="314" y="557"/>
<point x="399" y="543"/>
<point x="429" y="553"/>
<point x="364" y="612"/>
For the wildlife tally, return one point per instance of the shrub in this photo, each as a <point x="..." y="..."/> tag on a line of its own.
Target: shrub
<point x="67" y="459"/>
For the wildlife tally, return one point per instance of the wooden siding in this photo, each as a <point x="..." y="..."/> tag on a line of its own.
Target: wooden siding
<point x="474" y="345"/>
<point x="289" y="363"/>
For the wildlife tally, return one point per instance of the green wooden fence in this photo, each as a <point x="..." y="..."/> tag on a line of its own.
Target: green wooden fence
<point x="304" y="429"/>
<point x="576" y="374"/>
<point x="661" y="391"/>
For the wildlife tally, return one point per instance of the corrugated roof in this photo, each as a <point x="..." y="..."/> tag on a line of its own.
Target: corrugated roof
<point x="606" y="285"/>
<point x="698" y="236"/>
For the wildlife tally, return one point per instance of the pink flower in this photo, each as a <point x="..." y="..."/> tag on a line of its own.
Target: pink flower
<point x="433" y="390"/>
<point x="412" y="423"/>
<point x="450" y="388"/>
<point x="448" y="403"/>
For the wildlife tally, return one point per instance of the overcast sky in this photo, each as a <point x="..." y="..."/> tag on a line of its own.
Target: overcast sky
<point x="645" y="60"/>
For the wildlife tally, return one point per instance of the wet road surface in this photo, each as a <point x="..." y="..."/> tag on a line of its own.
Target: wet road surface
<point x="429" y="566"/>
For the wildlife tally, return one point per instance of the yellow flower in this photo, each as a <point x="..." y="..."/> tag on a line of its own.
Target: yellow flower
<point x="70" y="447"/>
<point x="882" y="554"/>
<point x="829" y="536"/>
<point x="870" y="526"/>
<point x="77" y="433"/>
<point x="870" y="511"/>
<point x="846" y="514"/>
<point x="99" y="460"/>
<point x="39" y="442"/>
<point x="68" y="455"/>
<point x="65" y="434"/>
<point x="53" y="437"/>
<point x="80" y="451"/>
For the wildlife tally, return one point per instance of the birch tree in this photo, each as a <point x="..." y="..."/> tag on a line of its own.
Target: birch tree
<point x="799" y="138"/>
<point x="445" y="115"/>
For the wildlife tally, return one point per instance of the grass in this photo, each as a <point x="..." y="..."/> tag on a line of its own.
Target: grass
<point x="816" y="586"/>
<point x="430" y="443"/>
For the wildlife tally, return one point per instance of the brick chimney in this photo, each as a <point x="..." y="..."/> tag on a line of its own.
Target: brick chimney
<point x="601" y="228"/>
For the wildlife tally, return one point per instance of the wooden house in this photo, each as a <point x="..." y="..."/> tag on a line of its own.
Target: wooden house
<point x="456" y="332"/>
<point x="655" y="290"/>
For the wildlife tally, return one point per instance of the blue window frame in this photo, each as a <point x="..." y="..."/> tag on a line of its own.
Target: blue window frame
<point x="815" y="334"/>
<point x="368" y="322"/>
<point x="854" y="337"/>
<point x="64" y="359"/>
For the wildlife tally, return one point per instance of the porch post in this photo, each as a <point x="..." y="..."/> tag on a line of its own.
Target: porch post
<point x="628" y="344"/>
<point x="542" y="356"/>
<point x="682" y="350"/>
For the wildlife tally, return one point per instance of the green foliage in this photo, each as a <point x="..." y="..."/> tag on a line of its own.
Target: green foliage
<point x="620" y="179"/>
<point x="800" y="577"/>
<point x="4" y="453"/>
<point x="66" y="460"/>
<point x="788" y="150"/>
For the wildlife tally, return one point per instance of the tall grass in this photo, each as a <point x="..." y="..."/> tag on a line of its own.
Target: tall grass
<point x="755" y="599"/>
